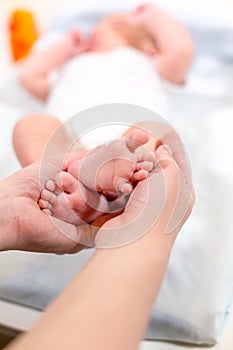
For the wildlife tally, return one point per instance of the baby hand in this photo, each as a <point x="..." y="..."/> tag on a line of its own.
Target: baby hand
<point x="76" y="41"/>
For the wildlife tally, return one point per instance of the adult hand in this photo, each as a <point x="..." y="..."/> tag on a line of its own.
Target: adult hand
<point x="23" y="226"/>
<point x="162" y="202"/>
<point x="166" y="198"/>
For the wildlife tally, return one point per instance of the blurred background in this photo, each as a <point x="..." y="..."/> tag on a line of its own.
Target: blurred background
<point x="45" y="10"/>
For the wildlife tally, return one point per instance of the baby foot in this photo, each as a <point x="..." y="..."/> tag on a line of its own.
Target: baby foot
<point x="115" y="167"/>
<point x="67" y="199"/>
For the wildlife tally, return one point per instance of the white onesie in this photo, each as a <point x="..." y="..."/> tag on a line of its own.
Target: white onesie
<point x="123" y="75"/>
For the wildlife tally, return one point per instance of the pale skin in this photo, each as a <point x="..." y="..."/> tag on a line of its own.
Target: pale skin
<point x="147" y="29"/>
<point x="174" y="45"/>
<point x="69" y="195"/>
<point x="20" y="215"/>
<point x="84" y="316"/>
<point x="80" y="192"/>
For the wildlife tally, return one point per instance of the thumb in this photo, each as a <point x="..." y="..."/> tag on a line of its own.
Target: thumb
<point x="141" y="213"/>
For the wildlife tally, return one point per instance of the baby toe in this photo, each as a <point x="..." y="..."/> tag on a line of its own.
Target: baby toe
<point x="48" y="196"/>
<point x="149" y="156"/>
<point x="47" y="212"/>
<point x="143" y="154"/>
<point x="44" y="204"/>
<point x="124" y="186"/>
<point x="66" y="182"/>
<point x="136" y="139"/>
<point x="146" y="165"/>
<point x="140" y="175"/>
<point x="50" y="185"/>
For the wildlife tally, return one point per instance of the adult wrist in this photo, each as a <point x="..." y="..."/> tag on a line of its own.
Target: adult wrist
<point x="6" y="227"/>
<point x="152" y="248"/>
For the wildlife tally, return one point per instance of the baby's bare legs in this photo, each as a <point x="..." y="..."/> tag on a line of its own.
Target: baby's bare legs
<point x="77" y="194"/>
<point x="31" y="135"/>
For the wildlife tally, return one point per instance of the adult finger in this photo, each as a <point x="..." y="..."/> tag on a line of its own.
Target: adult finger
<point x="176" y="147"/>
<point x="151" y="202"/>
<point x="182" y="199"/>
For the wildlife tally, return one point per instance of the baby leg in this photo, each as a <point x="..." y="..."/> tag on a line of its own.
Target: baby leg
<point x="31" y="135"/>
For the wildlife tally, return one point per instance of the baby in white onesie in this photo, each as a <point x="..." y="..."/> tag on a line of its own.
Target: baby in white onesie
<point x="121" y="61"/>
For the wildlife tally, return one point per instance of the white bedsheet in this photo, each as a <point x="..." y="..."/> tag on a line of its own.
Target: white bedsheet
<point x="195" y="298"/>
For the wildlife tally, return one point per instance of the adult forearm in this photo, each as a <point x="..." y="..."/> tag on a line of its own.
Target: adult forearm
<point x="132" y="281"/>
<point x="107" y="305"/>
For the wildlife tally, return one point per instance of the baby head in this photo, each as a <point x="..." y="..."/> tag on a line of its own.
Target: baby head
<point x="104" y="36"/>
<point x="115" y="31"/>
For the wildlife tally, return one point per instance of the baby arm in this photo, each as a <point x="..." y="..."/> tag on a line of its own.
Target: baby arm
<point x="35" y="72"/>
<point x="174" y="45"/>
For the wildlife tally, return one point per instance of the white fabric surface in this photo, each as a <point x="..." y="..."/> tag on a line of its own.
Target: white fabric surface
<point x="196" y="294"/>
<point x="15" y="102"/>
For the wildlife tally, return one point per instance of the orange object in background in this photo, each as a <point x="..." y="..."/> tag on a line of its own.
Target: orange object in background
<point x="22" y="33"/>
